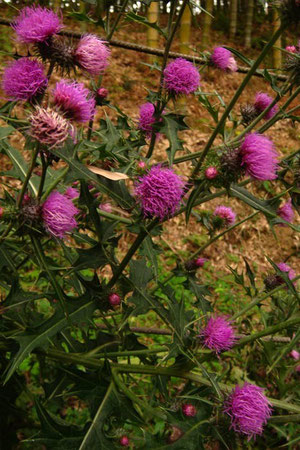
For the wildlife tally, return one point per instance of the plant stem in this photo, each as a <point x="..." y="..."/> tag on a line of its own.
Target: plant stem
<point x="215" y="238"/>
<point x="43" y="177"/>
<point x="113" y="29"/>
<point x="234" y="99"/>
<point x="28" y="176"/>
<point x="259" y="299"/>
<point x="115" y="217"/>
<point x="54" y="184"/>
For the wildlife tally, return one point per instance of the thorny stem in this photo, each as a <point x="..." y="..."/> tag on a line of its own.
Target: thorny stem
<point x="234" y="99"/>
<point x="113" y="29"/>
<point x="28" y="175"/>
<point x="43" y="177"/>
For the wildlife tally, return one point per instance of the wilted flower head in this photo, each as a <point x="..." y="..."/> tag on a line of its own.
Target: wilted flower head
<point x="91" y="54"/>
<point x="218" y="335"/>
<point x="262" y="101"/>
<point x="285" y="211"/>
<point x="58" y="214"/>
<point x="287" y="269"/>
<point x="23" y="79"/>
<point x="71" y="193"/>
<point x="181" y="77"/>
<point x="159" y="192"/>
<point x="259" y="157"/>
<point x="226" y="214"/>
<point x="248" y="408"/>
<point x="48" y="127"/>
<point x="223" y="59"/>
<point x="211" y="173"/>
<point x="189" y="410"/>
<point x="74" y="100"/>
<point x="36" y="24"/>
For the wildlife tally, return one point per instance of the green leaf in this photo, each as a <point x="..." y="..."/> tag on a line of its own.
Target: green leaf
<point x="140" y="273"/>
<point x="150" y="250"/>
<point x="91" y="258"/>
<point x="143" y="20"/>
<point x="173" y="123"/>
<point x="6" y="131"/>
<point x="200" y="291"/>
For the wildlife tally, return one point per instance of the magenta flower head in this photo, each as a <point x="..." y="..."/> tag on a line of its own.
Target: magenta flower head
<point x="74" y="100"/>
<point x="147" y="119"/>
<point x="181" y="77"/>
<point x="285" y="211"/>
<point x="259" y="157"/>
<point x="105" y="207"/>
<point x="223" y="59"/>
<point x="211" y="172"/>
<point x="262" y="101"/>
<point x="226" y="214"/>
<point x="124" y="441"/>
<point x="287" y="269"/>
<point x="249" y="409"/>
<point x="92" y="54"/>
<point x="23" y="79"/>
<point x="159" y="191"/>
<point x="218" y="335"/>
<point x="71" y="193"/>
<point x="189" y="410"/>
<point x="291" y="49"/>
<point x="36" y="24"/>
<point x="194" y="264"/>
<point x="58" y="214"/>
<point x="49" y="128"/>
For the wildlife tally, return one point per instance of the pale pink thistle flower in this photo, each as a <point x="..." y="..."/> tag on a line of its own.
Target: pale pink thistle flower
<point x="49" y="128"/>
<point x="71" y="193"/>
<point x="58" y="214"/>
<point x="114" y="299"/>
<point x="262" y="101"/>
<point x="36" y="24"/>
<point x="285" y="211"/>
<point x="249" y="409"/>
<point x="259" y="157"/>
<point x="218" y="335"/>
<point x="287" y="269"/>
<point x="189" y="410"/>
<point x="226" y="214"/>
<point x="159" y="191"/>
<point x="291" y="49"/>
<point x="105" y="207"/>
<point x="211" y="173"/>
<point x="92" y="54"/>
<point x="181" y="77"/>
<point x="124" y="441"/>
<point x="74" y="100"/>
<point x="23" y="79"/>
<point x="223" y="59"/>
<point x="141" y="165"/>
<point x="295" y="355"/>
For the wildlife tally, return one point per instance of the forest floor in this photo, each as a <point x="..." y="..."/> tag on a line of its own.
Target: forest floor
<point x="127" y="79"/>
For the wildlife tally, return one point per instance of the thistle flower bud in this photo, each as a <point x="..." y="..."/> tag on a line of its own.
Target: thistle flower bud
<point x="102" y="94"/>
<point x="31" y="210"/>
<point x="272" y="281"/>
<point x="249" y="113"/>
<point x="124" y="441"/>
<point x="189" y="410"/>
<point x="141" y="166"/>
<point x="211" y="173"/>
<point x="59" y="51"/>
<point x="195" y="264"/>
<point x="114" y="299"/>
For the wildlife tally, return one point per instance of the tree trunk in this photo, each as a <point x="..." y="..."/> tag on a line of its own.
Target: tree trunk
<point x="207" y="23"/>
<point x="185" y="30"/>
<point x="248" y="27"/>
<point x="276" y="51"/>
<point x="152" y="35"/>
<point x="233" y="18"/>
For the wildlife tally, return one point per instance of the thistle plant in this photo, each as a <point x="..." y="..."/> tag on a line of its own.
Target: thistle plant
<point x="83" y="255"/>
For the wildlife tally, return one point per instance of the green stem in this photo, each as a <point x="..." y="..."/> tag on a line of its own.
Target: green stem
<point x="44" y="173"/>
<point x="113" y="29"/>
<point x="267" y="331"/>
<point x="215" y="238"/>
<point x="234" y="99"/>
<point x="28" y="176"/>
<point x="54" y="184"/>
<point x="259" y="299"/>
<point x="114" y="217"/>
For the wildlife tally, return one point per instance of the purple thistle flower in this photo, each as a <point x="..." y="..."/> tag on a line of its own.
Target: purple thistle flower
<point x="248" y="409"/>
<point x="23" y="79"/>
<point x="49" y="128"/>
<point x="189" y="410"/>
<point x="74" y="100"/>
<point x="291" y="48"/>
<point x="218" y="335"/>
<point x="287" y="269"/>
<point x="259" y="157"/>
<point x="58" y="214"/>
<point x="36" y="24"/>
<point x="159" y="192"/>
<point x="285" y="211"/>
<point x="71" y="193"/>
<point x="226" y="214"/>
<point x="262" y="101"/>
<point x="91" y="54"/>
<point x="295" y="355"/>
<point x="181" y="77"/>
<point x="223" y="59"/>
<point x="147" y="119"/>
